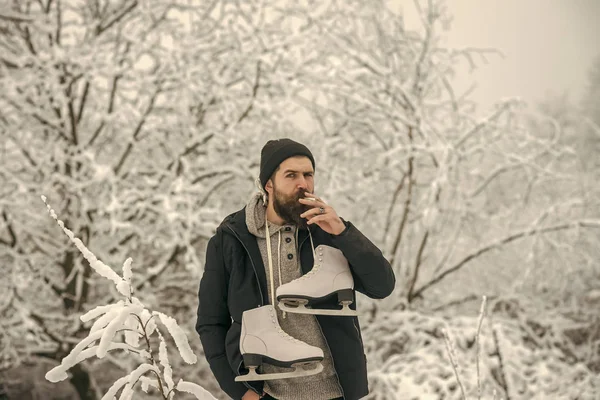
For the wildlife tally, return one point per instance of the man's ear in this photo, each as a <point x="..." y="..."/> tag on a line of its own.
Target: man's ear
<point x="269" y="187"/>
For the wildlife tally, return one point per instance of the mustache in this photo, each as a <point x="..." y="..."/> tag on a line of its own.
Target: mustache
<point x="302" y="195"/>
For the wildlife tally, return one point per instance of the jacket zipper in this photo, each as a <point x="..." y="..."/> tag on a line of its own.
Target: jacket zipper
<point x="262" y="300"/>
<point x="299" y="247"/>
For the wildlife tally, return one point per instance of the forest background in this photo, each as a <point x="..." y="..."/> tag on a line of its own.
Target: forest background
<point x="142" y="121"/>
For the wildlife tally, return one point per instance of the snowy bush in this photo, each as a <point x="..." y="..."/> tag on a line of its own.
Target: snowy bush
<point x="520" y="354"/>
<point x="136" y="322"/>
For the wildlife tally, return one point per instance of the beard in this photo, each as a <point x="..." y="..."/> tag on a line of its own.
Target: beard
<point x="289" y="208"/>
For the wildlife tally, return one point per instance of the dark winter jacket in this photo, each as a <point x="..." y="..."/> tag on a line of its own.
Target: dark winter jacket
<point x="234" y="281"/>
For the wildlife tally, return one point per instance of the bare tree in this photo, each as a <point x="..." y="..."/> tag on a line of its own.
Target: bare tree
<point x="142" y="121"/>
<point x="126" y="116"/>
<point x="439" y="188"/>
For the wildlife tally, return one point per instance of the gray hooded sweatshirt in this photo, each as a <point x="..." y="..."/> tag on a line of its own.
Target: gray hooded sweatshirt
<point x="304" y="327"/>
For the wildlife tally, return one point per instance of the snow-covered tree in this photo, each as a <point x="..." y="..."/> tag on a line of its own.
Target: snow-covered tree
<point x="442" y="190"/>
<point x="461" y="206"/>
<point x="133" y="117"/>
<point x="136" y="323"/>
<point x="142" y="120"/>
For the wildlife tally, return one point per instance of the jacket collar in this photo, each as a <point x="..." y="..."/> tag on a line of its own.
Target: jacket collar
<point x="236" y="223"/>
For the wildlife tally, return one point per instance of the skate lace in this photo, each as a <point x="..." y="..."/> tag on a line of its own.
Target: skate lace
<point x="282" y="332"/>
<point x="317" y="265"/>
<point x="311" y="272"/>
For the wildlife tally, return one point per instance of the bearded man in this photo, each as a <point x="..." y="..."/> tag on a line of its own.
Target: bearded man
<point x="235" y="280"/>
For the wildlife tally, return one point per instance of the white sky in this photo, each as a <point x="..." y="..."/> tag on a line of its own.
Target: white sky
<point x="549" y="44"/>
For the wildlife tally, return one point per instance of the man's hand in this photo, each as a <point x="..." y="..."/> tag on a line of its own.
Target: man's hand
<point x="251" y="395"/>
<point x="322" y="215"/>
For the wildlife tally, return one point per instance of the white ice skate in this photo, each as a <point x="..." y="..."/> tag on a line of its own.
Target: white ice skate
<point x="329" y="277"/>
<point x="263" y="341"/>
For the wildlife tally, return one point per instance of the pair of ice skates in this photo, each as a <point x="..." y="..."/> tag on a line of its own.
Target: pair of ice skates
<point x="263" y="341"/>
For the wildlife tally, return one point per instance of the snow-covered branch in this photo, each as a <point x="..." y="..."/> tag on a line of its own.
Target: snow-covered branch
<point x="497" y="244"/>
<point x="135" y="320"/>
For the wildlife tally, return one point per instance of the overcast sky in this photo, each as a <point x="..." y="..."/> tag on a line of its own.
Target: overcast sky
<point x="549" y="44"/>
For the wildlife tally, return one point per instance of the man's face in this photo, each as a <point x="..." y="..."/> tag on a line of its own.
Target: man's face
<point x="294" y="177"/>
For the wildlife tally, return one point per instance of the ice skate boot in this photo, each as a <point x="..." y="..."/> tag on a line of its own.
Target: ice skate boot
<point x="263" y="341"/>
<point x="329" y="277"/>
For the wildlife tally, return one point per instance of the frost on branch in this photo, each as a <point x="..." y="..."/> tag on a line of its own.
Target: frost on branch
<point x="179" y="336"/>
<point x="409" y="353"/>
<point x="124" y="286"/>
<point x="133" y="378"/>
<point x="194" y="389"/>
<point x="97" y="265"/>
<point x="132" y="338"/>
<point x="131" y="317"/>
<point x="164" y="361"/>
<point x="116" y="324"/>
<point x="96" y="312"/>
<point x="148" y="322"/>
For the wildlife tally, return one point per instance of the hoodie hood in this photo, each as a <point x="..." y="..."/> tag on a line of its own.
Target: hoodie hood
<point x="255" y="217"/>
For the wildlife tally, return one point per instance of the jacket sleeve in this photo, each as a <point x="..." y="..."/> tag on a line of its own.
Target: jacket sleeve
<point x="373" y="274"/>
<point x="214" y="319"/>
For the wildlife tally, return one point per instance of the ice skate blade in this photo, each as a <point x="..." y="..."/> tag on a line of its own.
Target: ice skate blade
<point x="301" y="309"/>
<point x="297" y="372"/>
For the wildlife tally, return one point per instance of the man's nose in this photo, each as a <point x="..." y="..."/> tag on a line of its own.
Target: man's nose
<point x="302" y="184"/>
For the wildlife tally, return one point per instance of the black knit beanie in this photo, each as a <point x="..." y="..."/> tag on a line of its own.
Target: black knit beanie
<point x="275" y="152"/>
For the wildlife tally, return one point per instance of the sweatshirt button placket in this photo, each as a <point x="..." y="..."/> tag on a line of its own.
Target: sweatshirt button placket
<point x="290" y="256"/>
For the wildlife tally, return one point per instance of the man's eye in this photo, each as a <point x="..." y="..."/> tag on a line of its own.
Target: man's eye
<point x="291" y="175"/>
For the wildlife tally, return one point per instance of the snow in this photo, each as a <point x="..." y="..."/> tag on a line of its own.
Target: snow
<point x="124" y="288"/>
<point x="98" y="266"/>
<point x="133" y="378"/>
<point x="132" y="337"/>
<point x="147" y="383"/>
<point x="144" y="354"/>
<point x="123" y="316"/>
<point x="179" y="337"/>
<point x="102" y="172"/>
<point x="116" y="324"/>
<point x="112" y="391"/>
<point x="196" y="390"/>
<point x="164" y="361"/>
<point x="127" y="383"/>
<point x="127" y="271"/>
<point x="104" y="320"/>
<point x="59" y="373"/>
<point x="148" y="321"/>
<point x="406" y="350"/>
<point x="99" y="310"/>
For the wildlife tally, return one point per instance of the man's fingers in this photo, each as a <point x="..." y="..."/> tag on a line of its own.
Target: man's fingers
<point x="316" y="219"/>
<point x="313" y="203"/>
<point x="312" y="195"/>
<point x="307" y="213"/>
<point x="315" y="197"/>
<point x="317" y="211"/>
